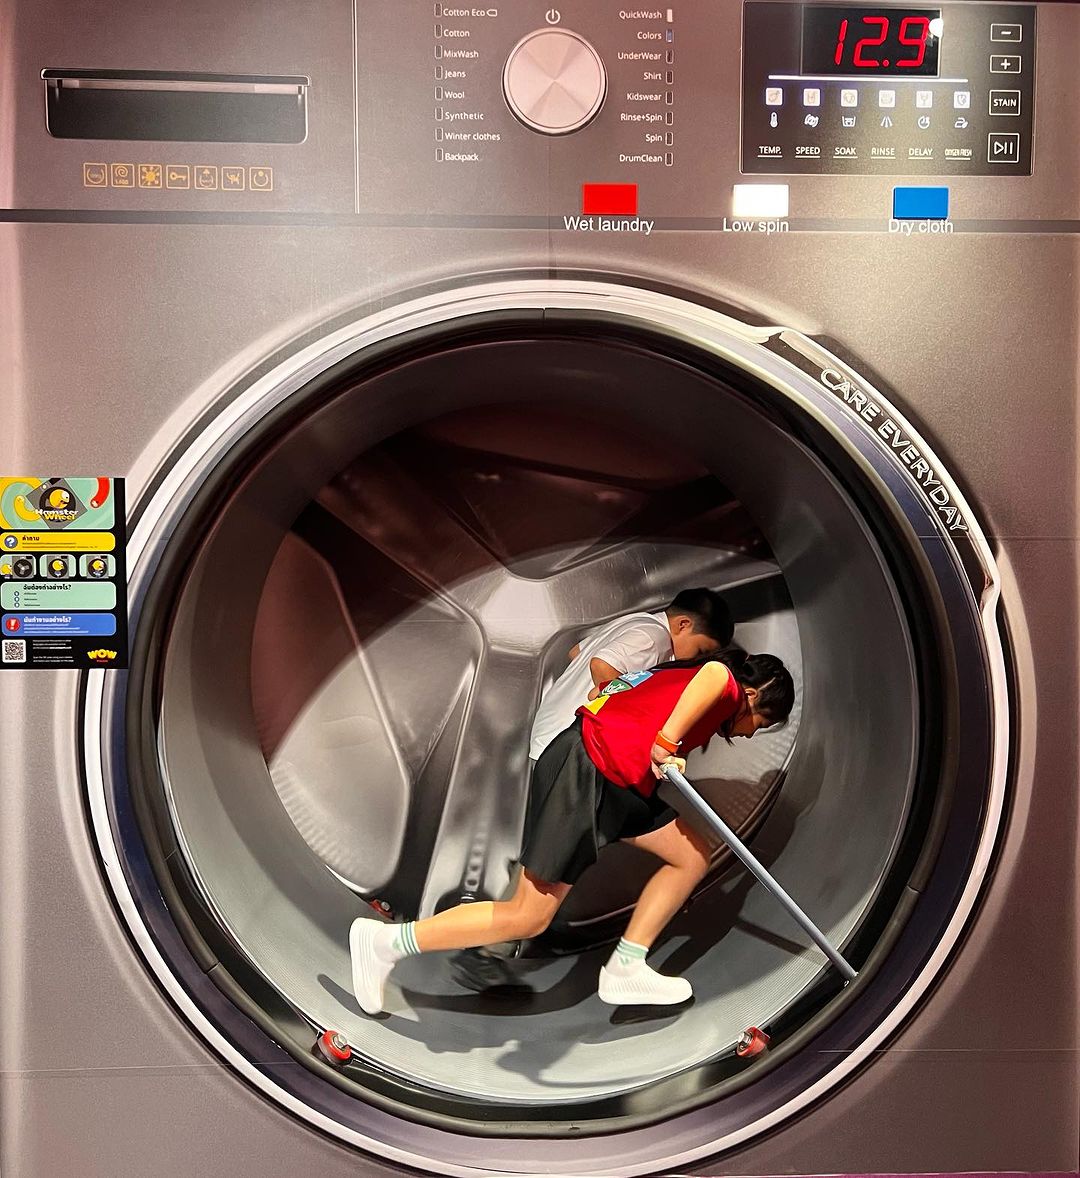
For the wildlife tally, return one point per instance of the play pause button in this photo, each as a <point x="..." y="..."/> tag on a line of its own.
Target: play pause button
<point x="1003" y="147"/>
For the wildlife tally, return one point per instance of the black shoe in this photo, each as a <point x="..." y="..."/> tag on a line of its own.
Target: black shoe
<point x="484" y="973"/>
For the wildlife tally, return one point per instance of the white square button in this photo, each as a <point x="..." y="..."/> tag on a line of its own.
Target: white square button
<point x="774" y="96"/>
<point x="811" y="97"/>
<point x="886" y="98"/>
<point x="849" y="98"/>
<point x="760" y="200"/>
<point x="961" y="99"/>
<point x="924" y="99"/>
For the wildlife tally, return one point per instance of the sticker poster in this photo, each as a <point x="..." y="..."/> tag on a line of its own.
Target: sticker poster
<point x="63" y="576"/>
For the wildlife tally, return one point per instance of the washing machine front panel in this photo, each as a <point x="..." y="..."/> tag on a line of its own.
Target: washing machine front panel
<point x="392" y="159"/>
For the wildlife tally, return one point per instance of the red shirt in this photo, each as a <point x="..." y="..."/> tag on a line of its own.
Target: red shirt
<point x="619" y="726"/>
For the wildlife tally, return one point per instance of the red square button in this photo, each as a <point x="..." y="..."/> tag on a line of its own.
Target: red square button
<point x="616" y="200"/>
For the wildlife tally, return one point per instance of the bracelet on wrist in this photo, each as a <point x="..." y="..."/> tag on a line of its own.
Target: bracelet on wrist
<point x="667" y="744"/>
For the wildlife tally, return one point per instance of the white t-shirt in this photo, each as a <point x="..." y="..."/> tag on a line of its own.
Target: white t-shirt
<point x="632" y="643"/>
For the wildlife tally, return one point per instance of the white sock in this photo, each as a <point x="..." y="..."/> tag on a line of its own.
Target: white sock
<point x="395" y="941"/>
<point x="627" y="959"/>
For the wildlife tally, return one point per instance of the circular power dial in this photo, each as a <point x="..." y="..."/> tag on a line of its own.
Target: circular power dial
<point x="554" y="81"/>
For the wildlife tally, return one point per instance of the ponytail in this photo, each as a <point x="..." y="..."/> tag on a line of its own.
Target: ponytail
<point x="770" y="678"/>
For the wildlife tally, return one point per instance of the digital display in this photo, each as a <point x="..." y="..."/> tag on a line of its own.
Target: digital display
<point x="871" y="41"/>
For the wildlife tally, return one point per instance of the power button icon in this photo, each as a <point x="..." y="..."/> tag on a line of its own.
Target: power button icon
<point x="553" y="16"/>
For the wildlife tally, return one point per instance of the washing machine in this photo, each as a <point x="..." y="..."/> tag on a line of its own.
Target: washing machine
<point x="426" y="336"/>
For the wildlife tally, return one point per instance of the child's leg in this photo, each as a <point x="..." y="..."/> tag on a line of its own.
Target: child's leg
<point x="686" y="860"/>
<point x="526" y="914"/>
<point x="626" y="978"/>
<point x="375" y="948"/>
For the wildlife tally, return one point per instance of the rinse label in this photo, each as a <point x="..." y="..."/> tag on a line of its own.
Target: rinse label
<point x="63" y="573"/>
<point x="892" y="434"/>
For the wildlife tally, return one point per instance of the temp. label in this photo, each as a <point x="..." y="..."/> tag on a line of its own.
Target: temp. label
<point x="63" y="573"/>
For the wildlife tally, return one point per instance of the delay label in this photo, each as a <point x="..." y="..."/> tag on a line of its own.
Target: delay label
<point x="63" y="573"/>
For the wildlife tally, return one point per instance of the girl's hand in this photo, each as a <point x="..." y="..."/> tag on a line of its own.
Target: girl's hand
<point x="661" y="757"/>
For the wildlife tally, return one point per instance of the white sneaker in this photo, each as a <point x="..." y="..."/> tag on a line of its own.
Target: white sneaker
<point x="643" y="987"/>
<point x="369" y="970"/>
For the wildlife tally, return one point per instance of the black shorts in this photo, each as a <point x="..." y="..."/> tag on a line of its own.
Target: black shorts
<point x="573" y="811"/>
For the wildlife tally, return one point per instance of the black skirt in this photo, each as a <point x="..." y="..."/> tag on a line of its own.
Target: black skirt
<point x="573" y="811"/>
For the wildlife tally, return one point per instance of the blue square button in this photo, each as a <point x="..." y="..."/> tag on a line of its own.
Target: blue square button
<point x="921" y="203"/>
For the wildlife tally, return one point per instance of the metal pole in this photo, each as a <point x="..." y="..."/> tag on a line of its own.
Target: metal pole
<point x="743" y="852"/>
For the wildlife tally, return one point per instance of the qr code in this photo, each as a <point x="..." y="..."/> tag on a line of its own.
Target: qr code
<point x="14" y="650"/>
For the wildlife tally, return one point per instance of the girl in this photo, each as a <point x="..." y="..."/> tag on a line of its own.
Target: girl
<point x="596" y="783"/>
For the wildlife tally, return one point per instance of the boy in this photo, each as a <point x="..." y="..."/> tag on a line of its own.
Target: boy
<point x="696" y="623"/>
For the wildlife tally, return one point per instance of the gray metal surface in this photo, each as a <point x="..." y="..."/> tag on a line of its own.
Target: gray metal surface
<point x="116" y="337"/>
<point x="714" y="822"/>
<point x="390" y="666"/>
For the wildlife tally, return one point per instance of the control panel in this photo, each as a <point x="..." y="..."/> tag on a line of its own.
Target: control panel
<point x="555" y="78"/>
<point x="911" y="90"/>
<point x="525" y="109"/>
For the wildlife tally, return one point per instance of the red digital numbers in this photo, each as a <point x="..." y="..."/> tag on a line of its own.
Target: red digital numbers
<point x="883" y="27"/>
<point x="919" y="42"/>
<point x="839" y="54"/>
<point x="913" y="33"/>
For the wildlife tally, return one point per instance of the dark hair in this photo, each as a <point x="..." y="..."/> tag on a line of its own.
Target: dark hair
<point x="768" y="675"/>
<point x="709" y="613"/>
<point x="764" y="672"/>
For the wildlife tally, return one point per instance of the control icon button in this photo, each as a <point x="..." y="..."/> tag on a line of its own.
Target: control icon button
<point x="848" y="120"/>
<point x="177" y="175"/>
<point x="123" y="176"/>
<point x="849" y="98"/>
<point x="1006" y="32"/>
<point x="886" y="98"/>
<point x="774" y="96"/>
<point x="149" y="175"/>
<point x="924" y="122"/>
<point x="961" y="99"/>
<point x="95" y="176"/>
<point x="1003" y="147"/>
<point x="260" y="179"/>
<point x="206" y="176"/>
<point x="811" y="120"/>
<point x="811" y="97"/>
<point x="924" y="99"/>
<point x="886" y="122"/>
<point x="1004" y="102"/>
<point x="961" y="123"/>
<point x="553" y="16"/>
<point x="1005" y="63"/>
<point x="232" y="178"/>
